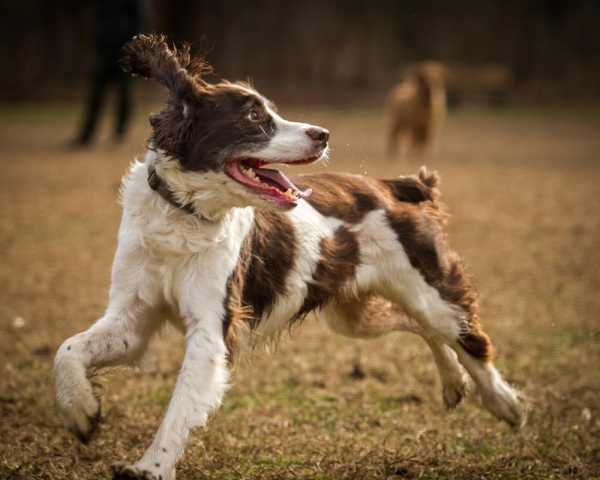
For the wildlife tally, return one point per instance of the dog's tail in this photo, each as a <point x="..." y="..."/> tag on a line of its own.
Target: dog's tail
<point x="418" y="188"/>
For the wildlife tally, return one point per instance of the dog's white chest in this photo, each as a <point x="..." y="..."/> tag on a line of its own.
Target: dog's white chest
<point x="187" y="259"/>
<point x="193" y="264"/>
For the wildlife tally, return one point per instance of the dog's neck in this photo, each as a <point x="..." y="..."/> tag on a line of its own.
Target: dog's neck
<point x="196" y="194"/>
<point x="161" y="187"/>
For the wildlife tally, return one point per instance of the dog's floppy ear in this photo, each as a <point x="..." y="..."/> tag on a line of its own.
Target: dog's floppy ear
<point x="151" y="57"/>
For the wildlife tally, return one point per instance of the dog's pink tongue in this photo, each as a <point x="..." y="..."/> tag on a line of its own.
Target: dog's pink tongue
<point x="280" y="179"/>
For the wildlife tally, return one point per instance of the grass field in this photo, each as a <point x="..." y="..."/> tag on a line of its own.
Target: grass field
<point x="523" y="187"/>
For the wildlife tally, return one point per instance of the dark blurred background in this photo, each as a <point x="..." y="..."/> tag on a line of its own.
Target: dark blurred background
<point x="319" y="51"/>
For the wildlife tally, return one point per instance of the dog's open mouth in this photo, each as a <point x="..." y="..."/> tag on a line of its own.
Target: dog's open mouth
<point x="269" y="183"/>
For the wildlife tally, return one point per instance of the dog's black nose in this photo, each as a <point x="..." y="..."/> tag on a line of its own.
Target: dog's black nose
<point x="318" y="134"/>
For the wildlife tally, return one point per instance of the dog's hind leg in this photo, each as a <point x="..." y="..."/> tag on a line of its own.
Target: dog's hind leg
<point x="449" y="323"/>
<point x="427" y="279"/>
<point x="200" y="386"/>
<point x="375" y="316"/>
<point x="119" y="337"/>
<point x="421" y="139"/>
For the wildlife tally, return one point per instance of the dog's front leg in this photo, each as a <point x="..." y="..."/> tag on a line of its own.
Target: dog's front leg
<point x="120" y="336"/>
<point x="199" y="389"/>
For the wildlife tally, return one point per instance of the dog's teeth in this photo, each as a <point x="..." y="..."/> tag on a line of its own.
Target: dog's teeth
<point x="249" y="173"/>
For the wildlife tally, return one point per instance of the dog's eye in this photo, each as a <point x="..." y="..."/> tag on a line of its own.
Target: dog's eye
<point x="253" y="116"/>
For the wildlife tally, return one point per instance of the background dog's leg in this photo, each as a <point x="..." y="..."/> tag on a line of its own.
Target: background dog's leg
<point x="420" y="140"/>
<point x="392" y="140"/>
<point x="119" y="337"/>
<point x="375" y="316"/>
<point x="200" y="387"/>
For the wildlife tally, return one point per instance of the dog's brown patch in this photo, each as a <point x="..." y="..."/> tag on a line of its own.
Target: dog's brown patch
<point x="415" y="189"/>
<point x="351" y="197"/>
<point x="348" y="197"/>
<point x="340" y="255"/>
<point x="421" y="238"/>
<point x="273" y="256"/>
<point x="266" y="258"/>
<point x="477" y="344"/>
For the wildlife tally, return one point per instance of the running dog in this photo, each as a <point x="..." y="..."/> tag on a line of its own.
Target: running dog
<point x="237" y="251"/>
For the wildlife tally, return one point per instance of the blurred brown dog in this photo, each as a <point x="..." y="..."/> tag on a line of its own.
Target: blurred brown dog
<point x="416" y="108"/>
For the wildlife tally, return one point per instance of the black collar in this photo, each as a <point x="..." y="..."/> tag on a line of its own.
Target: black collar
<point x="160" y="186"/>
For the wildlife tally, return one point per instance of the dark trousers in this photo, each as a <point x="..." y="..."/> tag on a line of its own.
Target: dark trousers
<point x="106" y="74"/>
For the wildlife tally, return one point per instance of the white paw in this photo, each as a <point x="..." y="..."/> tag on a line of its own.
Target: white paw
<point x="77" y="404"/>
<point x="506" y="404"/>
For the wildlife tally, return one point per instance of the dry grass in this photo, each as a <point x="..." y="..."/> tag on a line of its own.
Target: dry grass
<point x="524" y="190"/>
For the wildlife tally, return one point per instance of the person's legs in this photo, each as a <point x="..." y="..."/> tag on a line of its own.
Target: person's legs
<point x="98" y="83"/>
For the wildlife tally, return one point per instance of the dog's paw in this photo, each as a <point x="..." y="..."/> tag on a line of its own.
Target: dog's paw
<point x="453" y="395"/>
<point x="507" y="404"/>
<point x="122" y="471"/>
<point x="454" y="392"/>
<point x="78" y="405"/>
<point x="84" y="424"/>
<point x="454" y="389"/>
<point x="81" y="412"/>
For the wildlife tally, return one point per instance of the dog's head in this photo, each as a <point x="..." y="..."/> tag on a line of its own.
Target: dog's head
<point x="227" y="131"/>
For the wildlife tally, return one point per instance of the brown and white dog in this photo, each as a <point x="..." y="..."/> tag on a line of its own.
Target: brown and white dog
<point x="237" y="251"/>
<point x="417" y="109"/>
